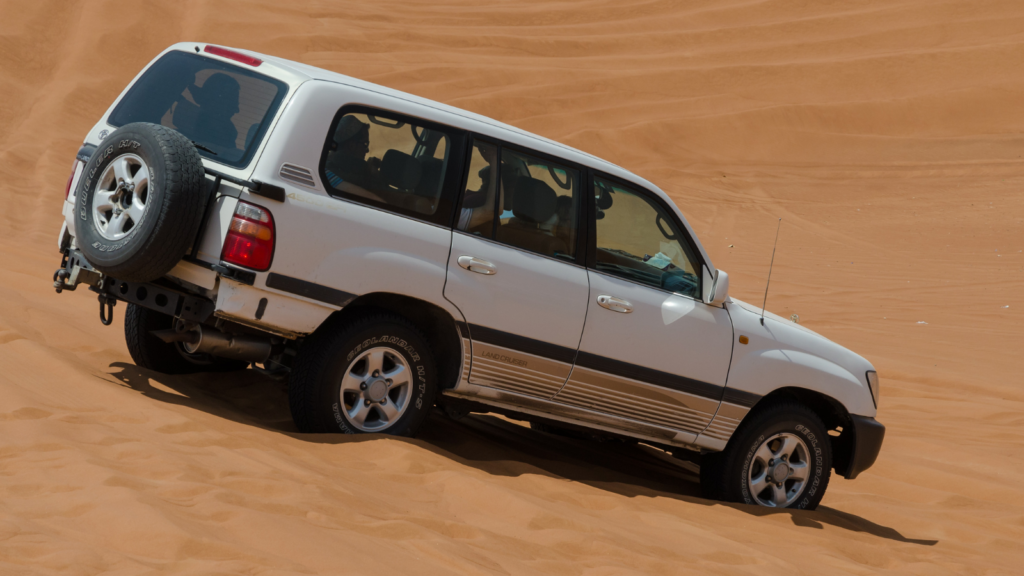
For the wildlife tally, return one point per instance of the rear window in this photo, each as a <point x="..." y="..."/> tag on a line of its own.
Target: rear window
<point x="223" y="108"/>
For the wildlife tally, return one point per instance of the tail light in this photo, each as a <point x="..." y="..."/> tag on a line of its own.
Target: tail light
<point x="71" y="178"/>
<point x="250" y="239"/>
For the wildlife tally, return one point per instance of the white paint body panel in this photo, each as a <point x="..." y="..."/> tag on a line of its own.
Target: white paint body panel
<point x="665" y="331"/>
<point x="529" y="295"/>
<point x="783" y="354"/>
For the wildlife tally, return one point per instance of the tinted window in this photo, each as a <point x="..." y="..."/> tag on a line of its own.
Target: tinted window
<point x="387" y="162"/>
<point x="224" y="108"/>
<point x="536" y="207"/>
<point x="477" y="213"/>
<point x="638" y="239"/>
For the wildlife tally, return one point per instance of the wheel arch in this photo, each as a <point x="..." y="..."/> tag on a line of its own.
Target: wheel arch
<point x="436" y="324"/>
<point x="832" y="412"/>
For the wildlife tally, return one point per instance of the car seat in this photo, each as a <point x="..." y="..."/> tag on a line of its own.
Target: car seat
<point x="533" y="203"/>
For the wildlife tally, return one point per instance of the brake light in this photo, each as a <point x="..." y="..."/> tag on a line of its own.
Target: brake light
<point x="232" y="55"/>
<point x="250" y="239"/>
<point x="71" y="178"/>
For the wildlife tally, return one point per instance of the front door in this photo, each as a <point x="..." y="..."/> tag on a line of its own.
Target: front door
<point x="513" y="270"/>
<point x="652" y="351"/>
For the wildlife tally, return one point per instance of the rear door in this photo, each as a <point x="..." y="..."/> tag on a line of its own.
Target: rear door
<point x="514" y="272"/>
<point x="652" y="350"/>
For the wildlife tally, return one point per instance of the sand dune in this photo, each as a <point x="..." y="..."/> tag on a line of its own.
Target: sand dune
<point x="888" y="136"/>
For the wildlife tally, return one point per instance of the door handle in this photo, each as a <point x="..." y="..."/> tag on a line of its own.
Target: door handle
<point x="477" y="265"/>
<point x="614" y="304"/>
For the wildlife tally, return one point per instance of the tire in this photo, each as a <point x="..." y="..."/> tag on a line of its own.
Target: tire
<point x="143" y="229"/>
<point x="325" y="388"/>
<point x="741" y="472"/>
<point x="152" y="353"/>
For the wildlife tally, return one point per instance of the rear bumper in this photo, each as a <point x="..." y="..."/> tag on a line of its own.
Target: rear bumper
<point x="867" y="438"/>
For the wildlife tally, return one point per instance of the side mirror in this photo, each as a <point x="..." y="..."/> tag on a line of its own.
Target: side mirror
<point x="720" y="289"/>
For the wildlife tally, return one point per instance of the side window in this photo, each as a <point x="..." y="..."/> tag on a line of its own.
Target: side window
<point x="638" y="239"/>
<point x="538" y="205"/>
<point x="529" y="202"/>
<point x="396" y="164"/>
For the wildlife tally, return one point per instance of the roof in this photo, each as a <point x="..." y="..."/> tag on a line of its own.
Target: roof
<point x="303" y="72"/>
<point x="313" y="73"/>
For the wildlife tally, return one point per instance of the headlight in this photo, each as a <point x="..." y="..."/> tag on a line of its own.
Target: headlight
<point x="873" y="386"/>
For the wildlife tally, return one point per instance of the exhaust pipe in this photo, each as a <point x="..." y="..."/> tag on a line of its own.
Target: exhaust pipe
<point x="201" y="340"/>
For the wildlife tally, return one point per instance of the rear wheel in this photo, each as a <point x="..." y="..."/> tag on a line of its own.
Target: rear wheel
<point x="780" y="458"/>
<point x="372" y="374"/>
<point x="152" y="353"/>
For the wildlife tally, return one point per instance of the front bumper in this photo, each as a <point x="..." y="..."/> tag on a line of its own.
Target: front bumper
<point x="864" y="445"/>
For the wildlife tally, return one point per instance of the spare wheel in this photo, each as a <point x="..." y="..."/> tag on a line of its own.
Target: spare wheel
<point x="139" y="202"/>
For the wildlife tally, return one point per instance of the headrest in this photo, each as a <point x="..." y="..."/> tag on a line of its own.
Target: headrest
<point x="534" y="200"/>
<point x="431" y="170"/>
<point x="219" y="90"/>
<point x="400" y="170"/>
<point x="348" y="127"/>
<point x="604" y="198"/>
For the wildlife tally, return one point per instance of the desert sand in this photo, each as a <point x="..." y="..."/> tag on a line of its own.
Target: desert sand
<point x="888" y="135"/>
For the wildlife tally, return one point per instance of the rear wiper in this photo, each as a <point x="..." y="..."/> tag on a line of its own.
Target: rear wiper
<point x="204" y="148"/>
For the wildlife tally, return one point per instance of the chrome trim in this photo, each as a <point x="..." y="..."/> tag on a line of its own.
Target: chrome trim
<point x="614" y="304"/>
<point x="504" y="368"/>
<point x="579" y="416"/>
<point x="297" y="174"/>
<point x="478" y="265"/>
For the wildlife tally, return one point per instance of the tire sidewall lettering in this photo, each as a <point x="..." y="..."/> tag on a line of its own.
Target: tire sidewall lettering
<point x="99" y="162"/>
<point x="748" y="460"/>
<point x="818" y="469"/>
<point x="401" y="346"/>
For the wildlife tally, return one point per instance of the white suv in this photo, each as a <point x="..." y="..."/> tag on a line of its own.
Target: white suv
<point x="389" y="254"/>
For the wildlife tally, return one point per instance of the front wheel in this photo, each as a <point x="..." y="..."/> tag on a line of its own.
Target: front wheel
<point x="372" y="374"/>
<point x="781" y="458"/>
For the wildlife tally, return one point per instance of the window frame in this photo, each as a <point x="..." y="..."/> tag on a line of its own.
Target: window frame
<point x="447" y="201"/>
<point x="582" y="227"/>
<point x="698" y="263"/>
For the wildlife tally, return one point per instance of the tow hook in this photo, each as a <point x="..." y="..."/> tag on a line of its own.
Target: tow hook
<point x="107" y="309"/>
<point x="58" y="279"/>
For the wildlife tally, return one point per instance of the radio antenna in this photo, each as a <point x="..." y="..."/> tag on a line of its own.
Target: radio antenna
<point x="765" y="303"/>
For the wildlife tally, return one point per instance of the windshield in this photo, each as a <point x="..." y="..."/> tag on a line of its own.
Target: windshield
<point x="221" y="107"/>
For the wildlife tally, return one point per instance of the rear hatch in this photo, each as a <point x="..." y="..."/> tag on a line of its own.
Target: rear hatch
<point x="221" y="100"/>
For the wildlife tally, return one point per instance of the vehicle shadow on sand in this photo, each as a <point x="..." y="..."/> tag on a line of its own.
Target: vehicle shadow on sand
<point x="489" y="443"/>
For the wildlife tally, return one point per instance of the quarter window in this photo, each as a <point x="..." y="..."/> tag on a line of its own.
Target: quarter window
<point x="395" y="164"/>
<point x="639" y="240"/>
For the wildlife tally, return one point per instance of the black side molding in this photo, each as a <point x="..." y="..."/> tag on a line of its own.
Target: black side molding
<point x="308" y="289"/>
<point x="522" y="344"/>
<point x="650" y="376"/>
